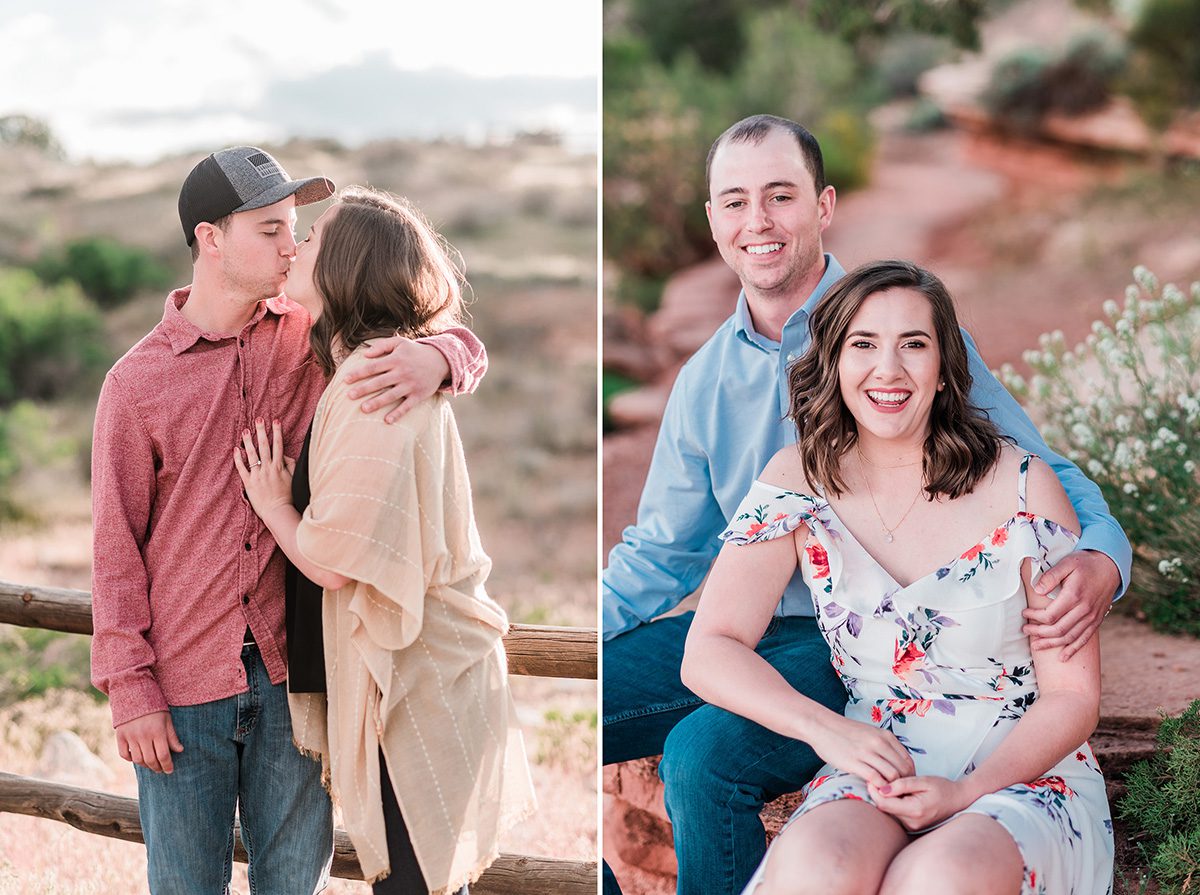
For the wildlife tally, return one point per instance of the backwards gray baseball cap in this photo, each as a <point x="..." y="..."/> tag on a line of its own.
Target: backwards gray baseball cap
<point x="240" y="179"/>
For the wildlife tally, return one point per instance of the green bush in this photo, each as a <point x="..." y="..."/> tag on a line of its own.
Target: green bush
<point x="33" y="661"/>
<point x="51" y="339"/>
<point x="1162" y="804"/>
<point x="1125" y="406"/>
<point x="1032" y="82"/>
<point x="611" y="385"/>
<point x="905" y="57"/>
<point x="1165" y="72"/>
<point x="924" y="116"/>
<point x="109" y="272"/>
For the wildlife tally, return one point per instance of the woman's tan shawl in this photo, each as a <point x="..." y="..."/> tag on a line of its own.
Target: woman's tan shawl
<point x="413" y="653"/>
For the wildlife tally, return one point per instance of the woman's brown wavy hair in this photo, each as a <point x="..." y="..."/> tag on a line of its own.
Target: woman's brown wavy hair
<point x="381" y="270"/>
<point x="962" y="445"/>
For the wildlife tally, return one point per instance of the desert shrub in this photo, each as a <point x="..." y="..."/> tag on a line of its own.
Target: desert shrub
<point x="51" y="339"/>
<point x="33" y="661"/>
<point x="611" y="385"/>
<point x="1125" y="406"/>
<point x="924" y="116"/>
<point x="905" y="57"/>
<point x="713" y="31"/>
<point x="109" y="272"/>
<point x="1162" y="804"/>
<point x="1032" y="81"/>
<point x="1164" y="74"/>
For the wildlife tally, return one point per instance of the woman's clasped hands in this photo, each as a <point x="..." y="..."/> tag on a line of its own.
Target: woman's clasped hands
<point x="879" y="758"/>
<point x="265" y="472"/>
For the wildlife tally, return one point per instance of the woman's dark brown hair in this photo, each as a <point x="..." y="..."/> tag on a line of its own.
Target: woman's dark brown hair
<point x="381" y="269"/>
<point x="962" y="445"/>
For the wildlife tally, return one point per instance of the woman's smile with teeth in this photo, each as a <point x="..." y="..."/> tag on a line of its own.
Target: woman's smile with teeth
<point x="764" y="249"/>
<point x="889" y="399"/>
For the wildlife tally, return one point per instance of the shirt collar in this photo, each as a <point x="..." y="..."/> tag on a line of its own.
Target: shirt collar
<point x="744" y="325"/>
<point x="183" y="334"/>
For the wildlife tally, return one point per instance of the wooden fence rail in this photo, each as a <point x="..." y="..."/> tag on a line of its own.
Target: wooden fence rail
<point x="538" y="650"/>
<point x="117" y="818"/>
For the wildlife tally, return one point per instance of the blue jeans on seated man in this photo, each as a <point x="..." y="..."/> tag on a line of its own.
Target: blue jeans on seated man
<point x="718" y="769"/>
<point x="237" y="752"/>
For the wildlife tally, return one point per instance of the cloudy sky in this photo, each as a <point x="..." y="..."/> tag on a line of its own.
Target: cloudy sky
<point x="139" y="78"/>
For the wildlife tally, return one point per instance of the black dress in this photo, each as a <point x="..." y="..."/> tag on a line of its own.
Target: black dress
<point x="302" y="604"/>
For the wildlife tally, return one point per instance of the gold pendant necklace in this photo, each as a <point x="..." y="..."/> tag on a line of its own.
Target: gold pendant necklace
<point x="888" y="533"/>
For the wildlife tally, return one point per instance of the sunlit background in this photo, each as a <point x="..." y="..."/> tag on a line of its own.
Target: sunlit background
<point x="140" y="78"/>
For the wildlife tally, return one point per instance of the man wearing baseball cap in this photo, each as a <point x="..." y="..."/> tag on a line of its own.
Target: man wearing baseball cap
<point x="188" y="586"/>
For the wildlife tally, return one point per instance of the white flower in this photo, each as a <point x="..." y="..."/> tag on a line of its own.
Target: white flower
<point x="1111" y="309"/>
<point x="1167" y="435"/>
<point x="1124" y="327"/>
<point x="1130" y="488"/>
<point x="1095" y="468"/>
<point x="1189" y="466"/>
<point x="1122" y="457"/>
<point x="1122" y="422"/>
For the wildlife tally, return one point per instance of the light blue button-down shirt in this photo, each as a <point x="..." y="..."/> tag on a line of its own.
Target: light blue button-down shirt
<point x="718" y="433"/>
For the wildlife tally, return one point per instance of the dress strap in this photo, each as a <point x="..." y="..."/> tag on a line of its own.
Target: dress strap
<point x="1022" y="479"/>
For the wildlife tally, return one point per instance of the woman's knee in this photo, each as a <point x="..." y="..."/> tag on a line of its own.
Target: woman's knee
<point x="799" y="868"/>
<point x="923" y="869"/>
<point x="844" y="852"/>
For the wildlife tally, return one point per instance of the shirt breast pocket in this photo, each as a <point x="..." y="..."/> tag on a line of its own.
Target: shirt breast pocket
<point x="291" y="398"/>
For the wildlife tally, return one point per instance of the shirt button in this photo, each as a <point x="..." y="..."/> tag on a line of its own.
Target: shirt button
<point x="248" y="547"/>
<point x="245" y="599"/>
<point x="791" y="356"/>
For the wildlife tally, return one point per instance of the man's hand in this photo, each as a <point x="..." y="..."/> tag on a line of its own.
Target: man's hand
<point x="149" y="741"/>
<point x="1089" y="582"/>
<point x="405" y="374"/>
<point x="919" y="802"/>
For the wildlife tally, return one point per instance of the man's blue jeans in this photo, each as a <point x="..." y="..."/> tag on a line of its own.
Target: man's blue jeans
<point x="237" y="752"/>
<point x="718" y="769"/>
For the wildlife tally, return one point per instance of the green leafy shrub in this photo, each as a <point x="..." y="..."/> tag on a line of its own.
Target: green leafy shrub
<point x="109" y="272"/>
<point x="1164" y="74"/>
<point x="1125" y="406"/>
<point x="1162" y="804"/>
<point x="611" y="385"/>
<point x="51" y="339"/>
<point x="905" y="57"/>
<point x="925" y="116"/>
<point x="1032" y="81"/>
<point x="33" y="661"/>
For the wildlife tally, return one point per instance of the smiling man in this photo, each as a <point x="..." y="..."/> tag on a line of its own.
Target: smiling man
<point x="768" y="207"/>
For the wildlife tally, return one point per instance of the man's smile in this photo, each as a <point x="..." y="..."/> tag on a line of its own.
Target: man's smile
<point x="768" y="248"/>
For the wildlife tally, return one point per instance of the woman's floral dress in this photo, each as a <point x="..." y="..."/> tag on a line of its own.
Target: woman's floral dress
<point x="944" y="666"/>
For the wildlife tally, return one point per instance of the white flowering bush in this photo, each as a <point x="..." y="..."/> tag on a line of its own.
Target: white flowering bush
<point x="1125" y="406"/>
